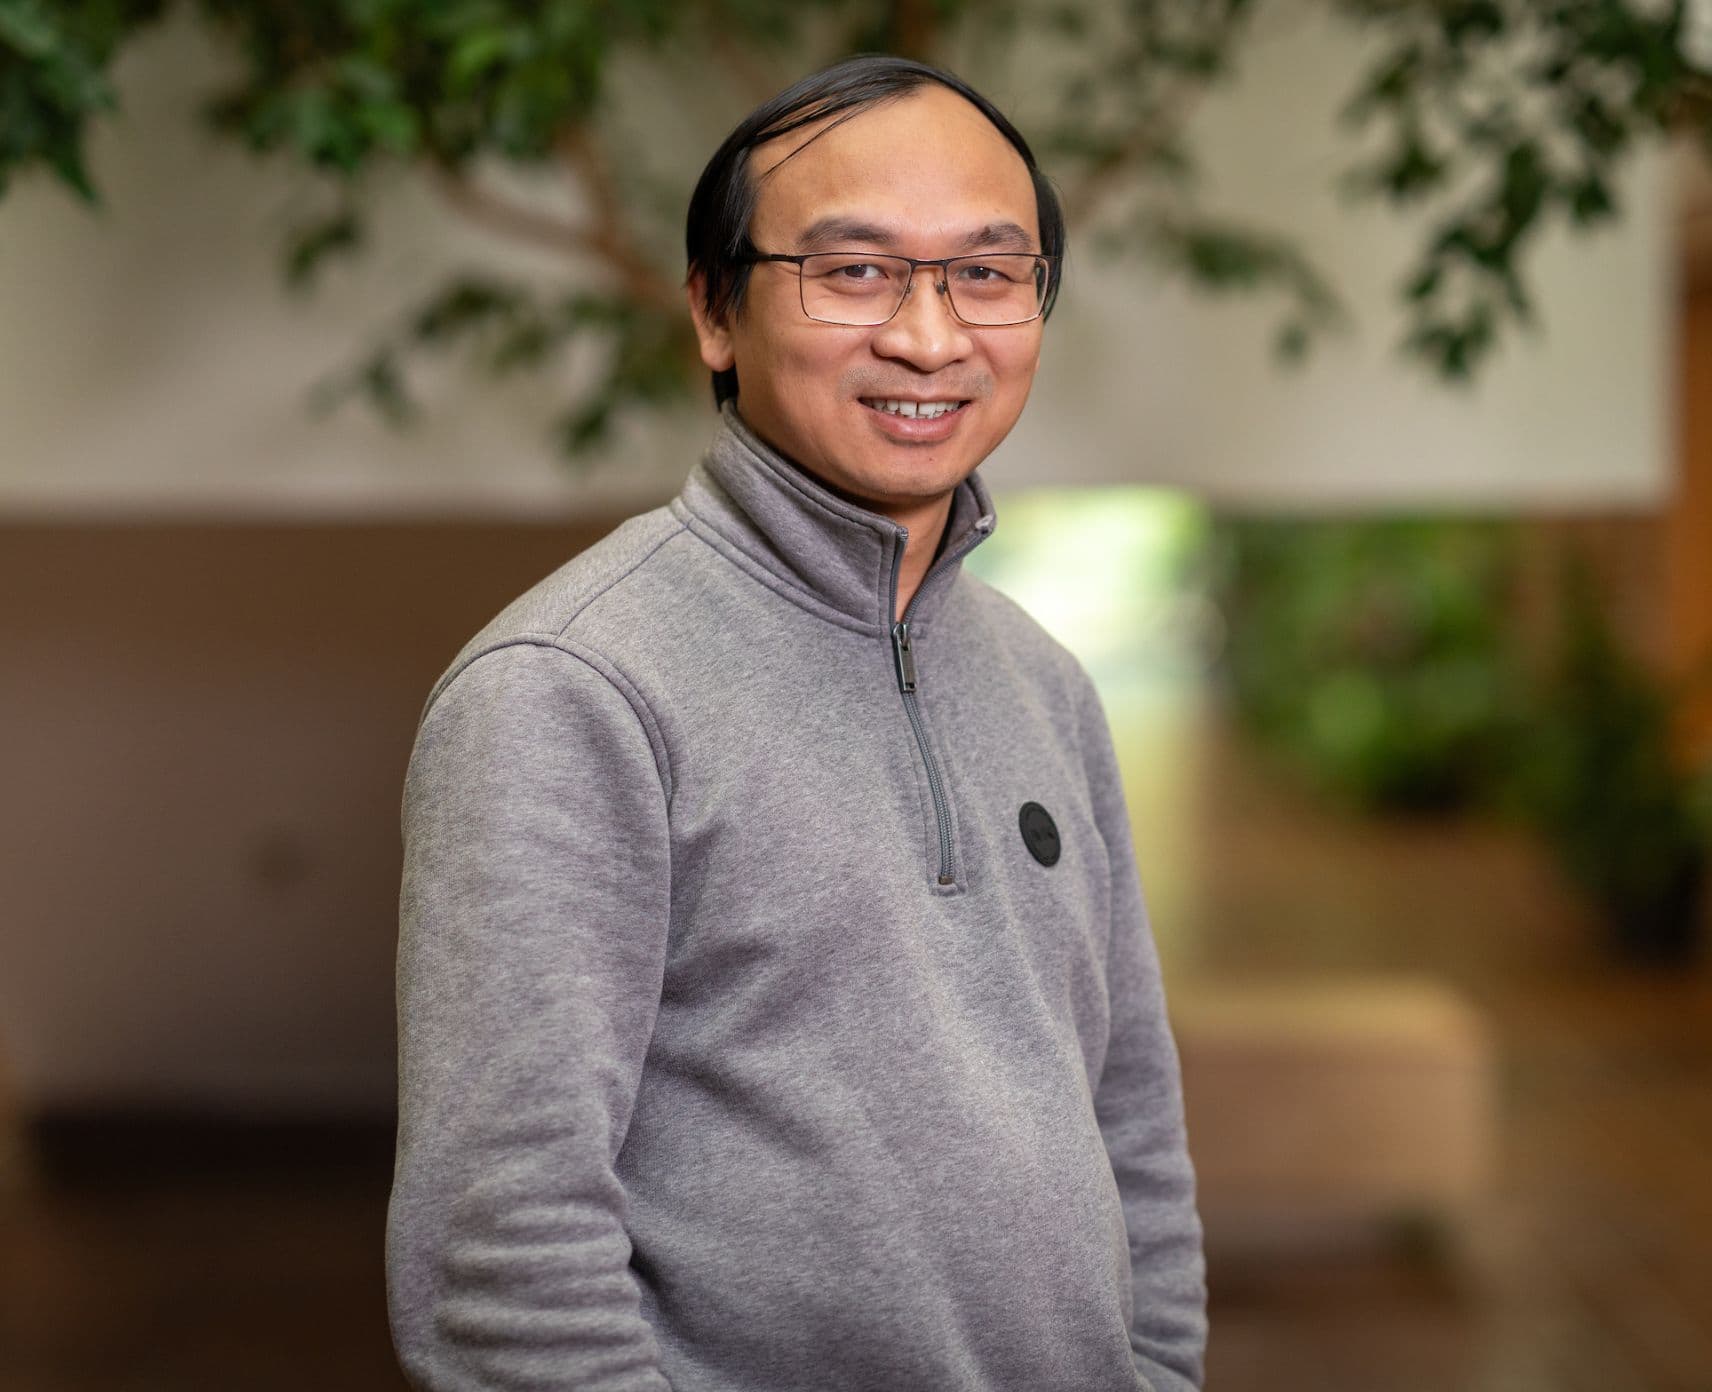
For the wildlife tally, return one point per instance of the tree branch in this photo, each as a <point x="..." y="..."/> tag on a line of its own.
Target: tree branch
<point x="1084" y="197"/>
<point x="610" y="235"/>
<point x="1147" y="139"/>
<point x="498" y="214"/>
<point x="603" y="242"/>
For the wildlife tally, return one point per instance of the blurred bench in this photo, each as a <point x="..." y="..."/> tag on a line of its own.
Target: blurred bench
<point x="1314" y="1106"/>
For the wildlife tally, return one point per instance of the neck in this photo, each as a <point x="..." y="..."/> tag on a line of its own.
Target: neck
<point x="925" y="519"/>
<point x="926" y="524"/>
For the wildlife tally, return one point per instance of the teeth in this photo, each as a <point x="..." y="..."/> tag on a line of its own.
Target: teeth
<point x="924" y="409"/>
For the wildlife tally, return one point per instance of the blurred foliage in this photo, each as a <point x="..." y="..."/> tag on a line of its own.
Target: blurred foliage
<point x="54" y="61"/>
<point x="1502" y="117"/>
<point x="1601" y="774"/>
<point x="1376" y="655"/>
<point x="1489" y="121"/>
<point x="1390" y="662"/>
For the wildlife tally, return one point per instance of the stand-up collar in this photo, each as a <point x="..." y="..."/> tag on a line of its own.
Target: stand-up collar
<point x="832" y="556"/>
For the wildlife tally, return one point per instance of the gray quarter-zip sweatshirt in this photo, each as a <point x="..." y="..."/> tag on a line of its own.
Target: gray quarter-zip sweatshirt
<point x="777" y="1006"/>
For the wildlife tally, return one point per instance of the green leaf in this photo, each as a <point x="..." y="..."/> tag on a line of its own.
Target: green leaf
<point x="582" y="429"/>
<point x="1601" y="129"/>
<point x="526" y="344"/>
<point x="392" y="125"/>
<point x="383" y="383"/>
<point x="1292" y="341"/>
<point x="1424" y="284"/>
<point x="463" y="306"/>
<point x="378" y="379"/>
<point x="1526" y="183"/>
<point x="1590" y="200"/>
<point x="309" y="247"/>
<point x="474" y="54"/>
<point x="67" y="162"/>
<point x="361" y="76"/>
<point x="26" y="29"/>
<point x="1392" y="83"/>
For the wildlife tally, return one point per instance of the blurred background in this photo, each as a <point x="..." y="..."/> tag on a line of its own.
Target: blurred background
<point x="1369" y="470"/>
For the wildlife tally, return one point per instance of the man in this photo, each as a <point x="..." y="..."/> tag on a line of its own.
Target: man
<point x="777" y="1004"/>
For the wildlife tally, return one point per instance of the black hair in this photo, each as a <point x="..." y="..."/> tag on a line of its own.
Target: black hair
<point x="716" y="232"/>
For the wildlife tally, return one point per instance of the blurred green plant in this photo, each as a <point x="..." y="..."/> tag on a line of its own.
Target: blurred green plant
<point x="1488" y="120"/>
<point x="1375" y="654"/>
<point x="1600" y="772"/>
<point x="1388" y="662"/>
<point x="54" y="80"/>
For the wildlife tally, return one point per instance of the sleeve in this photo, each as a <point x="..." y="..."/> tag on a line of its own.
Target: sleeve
<point x="532" y="935"/>
<point x="1138" y="1102"/>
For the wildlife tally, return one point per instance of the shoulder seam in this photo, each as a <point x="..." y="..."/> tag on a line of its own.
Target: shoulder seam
<point x="628" y="570"/>
<point x="591" y="659"/>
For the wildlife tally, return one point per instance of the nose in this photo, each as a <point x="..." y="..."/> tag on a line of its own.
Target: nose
<point x="924" y="332"/>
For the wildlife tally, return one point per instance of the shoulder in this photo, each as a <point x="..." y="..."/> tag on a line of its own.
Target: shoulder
<point x="1033" y="657"/>
<point x="611" y="586"/>
<point x="607" y="573"/>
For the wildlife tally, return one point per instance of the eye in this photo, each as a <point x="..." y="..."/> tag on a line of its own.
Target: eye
<point x="851" y="273"/>
<point x="847" y="269"/>
<point x="984" y="273"/>
<point x="861" y="272"/>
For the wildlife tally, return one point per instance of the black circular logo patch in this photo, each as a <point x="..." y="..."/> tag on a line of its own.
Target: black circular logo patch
<point x="1039" y="833"/>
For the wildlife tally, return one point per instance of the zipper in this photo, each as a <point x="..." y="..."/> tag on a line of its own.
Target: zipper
<point x="905" y="662"/>
<point x="903" y="658"/>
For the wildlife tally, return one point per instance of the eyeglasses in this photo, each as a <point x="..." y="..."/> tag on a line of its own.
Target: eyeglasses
<point x="863" y="288"/>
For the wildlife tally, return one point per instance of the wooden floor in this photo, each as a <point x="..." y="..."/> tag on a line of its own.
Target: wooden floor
<point x="1591" y="1266"/>
<point x="259" y="1266"/>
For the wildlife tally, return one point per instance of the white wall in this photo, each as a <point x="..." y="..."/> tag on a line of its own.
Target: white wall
<point x="149" y="358"/>
<point x="1146" y="382"/>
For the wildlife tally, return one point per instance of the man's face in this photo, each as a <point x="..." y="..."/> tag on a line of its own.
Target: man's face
<point x="924" y="176"/>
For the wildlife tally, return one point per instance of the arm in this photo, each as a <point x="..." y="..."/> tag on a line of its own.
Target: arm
<point x="532" y="938"/>
<point x="1139" y="1104"/>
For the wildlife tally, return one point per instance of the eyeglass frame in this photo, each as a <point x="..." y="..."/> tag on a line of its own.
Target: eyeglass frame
<point x="915" y="264"/>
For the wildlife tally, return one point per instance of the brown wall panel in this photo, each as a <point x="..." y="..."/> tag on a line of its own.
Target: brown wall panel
<point x="203" y="732"/>
<point x="203" y="735"/>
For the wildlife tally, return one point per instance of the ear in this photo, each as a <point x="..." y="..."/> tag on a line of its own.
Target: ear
<point x="715" y="338"/>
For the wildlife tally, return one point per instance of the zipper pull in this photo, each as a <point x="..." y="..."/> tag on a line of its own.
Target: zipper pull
<point x="904" y="658"/>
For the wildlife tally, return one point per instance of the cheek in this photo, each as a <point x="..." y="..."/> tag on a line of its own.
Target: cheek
<point x="1014" y="365"/>
<point x="1028" y="351"/>
<point x="801" y="358"/>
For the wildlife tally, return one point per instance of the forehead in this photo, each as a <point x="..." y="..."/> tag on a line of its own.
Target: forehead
<point x="927" y="167"/>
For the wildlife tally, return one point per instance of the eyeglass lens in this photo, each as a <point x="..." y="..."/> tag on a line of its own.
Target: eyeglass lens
<point x="865" y="288"/>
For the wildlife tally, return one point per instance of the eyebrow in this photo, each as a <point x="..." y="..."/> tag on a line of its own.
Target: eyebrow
<point x="846" y="231"/>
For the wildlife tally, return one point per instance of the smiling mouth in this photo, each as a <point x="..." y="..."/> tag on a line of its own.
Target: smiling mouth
<point x="917" y="410"/>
